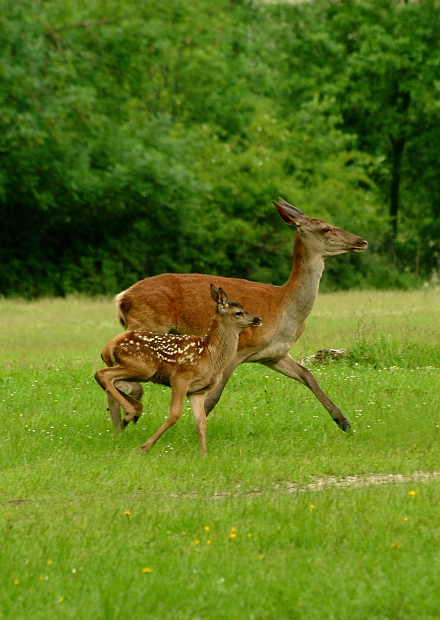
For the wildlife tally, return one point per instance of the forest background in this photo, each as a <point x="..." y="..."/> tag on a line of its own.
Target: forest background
<point x="139" y="137"/>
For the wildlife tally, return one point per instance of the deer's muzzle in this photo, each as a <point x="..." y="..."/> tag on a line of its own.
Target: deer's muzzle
<point x="360" y="246"/>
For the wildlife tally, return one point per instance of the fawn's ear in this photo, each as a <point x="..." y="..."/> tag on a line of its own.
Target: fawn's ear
<point x="219" y="296"/>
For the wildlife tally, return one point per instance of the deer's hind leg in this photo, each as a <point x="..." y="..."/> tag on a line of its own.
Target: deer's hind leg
<point x="133" y="389"/>
<point x="106" y="377"/>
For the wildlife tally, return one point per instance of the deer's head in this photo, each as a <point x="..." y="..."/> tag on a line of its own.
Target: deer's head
<point x="319" y="236"/>
<point x="232" y="311"/>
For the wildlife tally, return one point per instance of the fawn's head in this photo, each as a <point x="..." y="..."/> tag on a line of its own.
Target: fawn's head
<point x="321" y="237"/>
<point x="232" y="312"/>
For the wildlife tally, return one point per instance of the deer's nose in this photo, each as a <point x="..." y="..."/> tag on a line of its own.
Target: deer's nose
<point x="360" y="245"/>
<point x="257" y="322"/>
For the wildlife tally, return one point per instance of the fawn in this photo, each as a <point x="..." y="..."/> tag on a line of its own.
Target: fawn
<point x="190" y="365"/>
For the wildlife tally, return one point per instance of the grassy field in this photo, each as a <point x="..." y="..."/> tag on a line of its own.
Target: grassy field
<point x="288" y="517"/>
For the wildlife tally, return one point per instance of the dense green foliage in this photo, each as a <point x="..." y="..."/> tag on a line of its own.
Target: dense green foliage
<point x="140" y="137"/>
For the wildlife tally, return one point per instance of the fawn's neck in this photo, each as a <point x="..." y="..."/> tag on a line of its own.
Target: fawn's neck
<point x="220" y="343"/>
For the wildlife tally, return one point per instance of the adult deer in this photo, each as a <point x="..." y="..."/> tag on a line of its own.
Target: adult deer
<point x="190" y="365"/>
<point x="171" y="303"/>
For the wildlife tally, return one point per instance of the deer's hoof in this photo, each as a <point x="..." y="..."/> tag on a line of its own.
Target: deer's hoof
<point x="344" y="425"/>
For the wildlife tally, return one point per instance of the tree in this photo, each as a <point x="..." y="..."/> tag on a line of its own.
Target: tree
<point x="388" y="91"/>
<point x="142" y="137"/>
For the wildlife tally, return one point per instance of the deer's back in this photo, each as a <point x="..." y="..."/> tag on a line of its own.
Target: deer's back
<point x="181" y="303"/>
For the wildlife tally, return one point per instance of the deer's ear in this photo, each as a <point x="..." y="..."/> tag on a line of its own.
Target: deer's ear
<point x="219" y="296"/>
<point x="222" y="298"/>
<point x="290" y="214"/>
<point x="214" y="292"/>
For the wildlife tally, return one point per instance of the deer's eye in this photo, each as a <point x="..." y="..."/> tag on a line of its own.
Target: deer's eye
<point x="239" y="313"/>
<point x="325" y="230"/>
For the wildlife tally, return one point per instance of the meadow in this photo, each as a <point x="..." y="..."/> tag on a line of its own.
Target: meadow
<point x="287" y="518"/>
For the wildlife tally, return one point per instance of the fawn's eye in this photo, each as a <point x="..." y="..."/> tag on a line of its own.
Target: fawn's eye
<point x="325" y="230"/>
<point x="239" y="313"/>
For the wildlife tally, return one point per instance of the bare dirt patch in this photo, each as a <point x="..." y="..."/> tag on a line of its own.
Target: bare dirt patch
<point x="363" y="481"/>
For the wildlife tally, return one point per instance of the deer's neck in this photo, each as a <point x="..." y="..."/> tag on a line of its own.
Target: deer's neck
<point x="301" y="289"/>
<point x="220" y="344"/>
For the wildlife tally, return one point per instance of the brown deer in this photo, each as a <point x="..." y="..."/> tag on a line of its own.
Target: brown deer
<point x="190" y="365"/>
<point x="171" y="303"/>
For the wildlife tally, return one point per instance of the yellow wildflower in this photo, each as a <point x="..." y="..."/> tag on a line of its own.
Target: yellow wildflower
<point x="147" y="570"/>
<point x="412" y="493"/>
<point x="207" y="528"/>
<point x="16" y="582"/>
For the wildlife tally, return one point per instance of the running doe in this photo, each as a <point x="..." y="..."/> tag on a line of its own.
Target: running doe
<point x="179" y="303"/>
<point x="190" y="365"/>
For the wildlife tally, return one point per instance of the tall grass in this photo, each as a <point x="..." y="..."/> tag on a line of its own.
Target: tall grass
<point x="91" y="529"/>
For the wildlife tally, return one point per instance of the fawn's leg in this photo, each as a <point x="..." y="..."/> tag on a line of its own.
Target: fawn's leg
<point x="135" y="390"/>
<point x="177" y="397"/>
<point x="197" y="402"/>
<point x="105" y="377"/>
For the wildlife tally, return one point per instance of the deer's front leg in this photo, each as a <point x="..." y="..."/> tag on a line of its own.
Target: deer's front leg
<point x="213" y="396"/>
<point x="286" y="365"/>
<point x="114" y="409"/>
<point x="197" y="402"/>
<point x="177" y="396"/>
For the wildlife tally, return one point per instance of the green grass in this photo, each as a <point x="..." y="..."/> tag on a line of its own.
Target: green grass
<point x="82" y="513"/>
